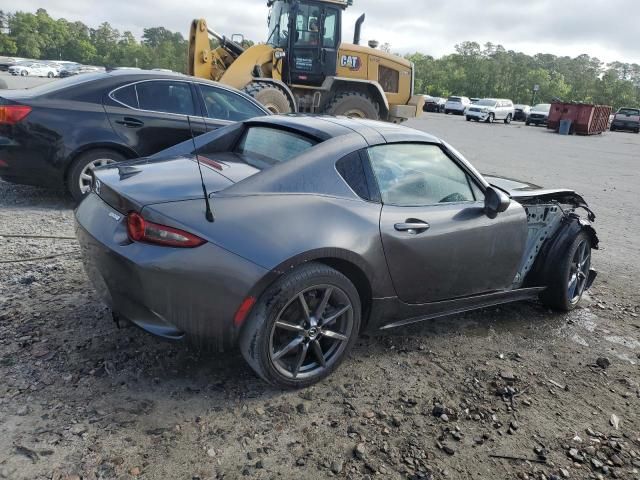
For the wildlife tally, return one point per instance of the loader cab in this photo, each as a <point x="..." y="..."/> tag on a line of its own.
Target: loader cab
<point x="309" y="32"/>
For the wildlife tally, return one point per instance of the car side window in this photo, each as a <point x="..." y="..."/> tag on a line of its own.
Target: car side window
<point x="224" y="105"/>
<point x="126" y="95"/>
<point x="352" y="171"/>
<point x="165" y="96"/>
<point x="415" y="174"/>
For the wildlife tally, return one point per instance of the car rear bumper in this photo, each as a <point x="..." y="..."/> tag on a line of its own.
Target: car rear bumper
<point x="28" y="160"/>
<point x="170" y="292"/>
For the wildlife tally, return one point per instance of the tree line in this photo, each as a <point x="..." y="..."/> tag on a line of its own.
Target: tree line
<point x="473" y="70"/>
<point x="493" y="71"/>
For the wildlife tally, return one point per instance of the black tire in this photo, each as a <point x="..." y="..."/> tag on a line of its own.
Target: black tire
<point x="258" y="333"/>
<point x="527" y="123"/>
<point x="613" y="129"/>
<point x="557" y="294"/>
<point x="446" y="112"/>
<point x="468" y="118"/>
<point x="270" y="96"/>
<point x="507" y="120"/>
<point x="50" y="75"/>
<point x="81" y="164"/>
<point x="490" y="118"/>
<point x="23" y="73"/>
<point x="354" y="104"/>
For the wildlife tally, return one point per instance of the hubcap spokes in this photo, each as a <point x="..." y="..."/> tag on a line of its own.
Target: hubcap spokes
<point x="579" y="272"/>
<point x="311" y="331"/>
<point x="85" y="177"/>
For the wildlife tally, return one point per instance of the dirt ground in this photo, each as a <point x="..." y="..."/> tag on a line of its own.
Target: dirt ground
<point x="559" y="394"/>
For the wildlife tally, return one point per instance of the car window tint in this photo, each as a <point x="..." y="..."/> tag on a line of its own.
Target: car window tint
<point x="164" y="96"/>
<point x="351" y="170"/>
<point x="126" y="95"/>
<point x="225" y="105"/>
<point x="411" y="174"/>
<point x="263" y="147"/>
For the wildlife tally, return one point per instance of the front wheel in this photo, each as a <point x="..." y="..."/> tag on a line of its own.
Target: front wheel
<point x="491" y="118"/>
<point x="303" y="327"/>
<point x="50" y="75"/>
<point x="507" y="120"/>
<point x="568" y="278"/>
<point x="468" y="119"/>
<point x="24" y="73"/>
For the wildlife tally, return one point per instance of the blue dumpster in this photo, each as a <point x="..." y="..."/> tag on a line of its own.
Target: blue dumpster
<point x="565" y="127"/>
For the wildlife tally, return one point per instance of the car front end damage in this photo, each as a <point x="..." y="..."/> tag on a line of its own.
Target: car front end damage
<point x="554" y="218"/>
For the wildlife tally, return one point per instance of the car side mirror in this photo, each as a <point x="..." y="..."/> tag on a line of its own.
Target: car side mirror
<point x="495" y="201"/>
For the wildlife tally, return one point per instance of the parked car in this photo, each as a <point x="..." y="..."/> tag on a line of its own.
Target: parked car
<point x="539" y="114"/>
<point x="626" y="119"/>
<point x="314" y="229"/>
<point x="456" y="105"/>
<point x="491" y="109"/>
<point x="34" y="69"/>
<point x="79" y="69"/>
<point x="521" y="112"/>
<point x="434" y="104"/>
<point x="56" y="134"/>
<point x="6" y="62"/>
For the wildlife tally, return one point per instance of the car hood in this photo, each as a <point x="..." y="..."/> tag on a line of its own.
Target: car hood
<point x="135" y="184"/>
<point x="522" y="191"/>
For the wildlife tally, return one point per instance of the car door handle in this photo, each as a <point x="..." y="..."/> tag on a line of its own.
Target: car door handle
<point x="412" y="226"/>
<point x="130" y="122"/>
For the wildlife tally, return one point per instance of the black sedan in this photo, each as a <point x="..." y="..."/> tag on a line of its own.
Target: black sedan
<point x="290" y="235"/>
<point x="55" y="134"/>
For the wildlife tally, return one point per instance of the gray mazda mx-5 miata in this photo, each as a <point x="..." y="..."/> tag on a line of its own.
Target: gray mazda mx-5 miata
<point x="289" y="235"/>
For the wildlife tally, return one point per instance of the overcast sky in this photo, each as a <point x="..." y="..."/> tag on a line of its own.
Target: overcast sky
<point x="607" y="29"/>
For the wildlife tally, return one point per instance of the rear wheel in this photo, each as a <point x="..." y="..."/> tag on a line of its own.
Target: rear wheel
<point x="272" y="97"/>
<point x="79" y="176"/>
<point x="568" y="278"/>
<point x="354" y="105"/>
<point x="50" y="75"/>
<point x="302" y="327"/>
<point x="508" y="119"/>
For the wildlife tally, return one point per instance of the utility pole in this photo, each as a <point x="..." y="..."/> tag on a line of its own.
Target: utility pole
<point x="536" y="87"/>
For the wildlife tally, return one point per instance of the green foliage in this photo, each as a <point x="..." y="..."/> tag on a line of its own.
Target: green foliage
<point x="492" y="71"/>
<point x="39" y="36"/>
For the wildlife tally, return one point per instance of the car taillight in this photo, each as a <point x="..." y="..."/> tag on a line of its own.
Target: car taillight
<point x="11" y="114"/>
<point x="141" y="230"/>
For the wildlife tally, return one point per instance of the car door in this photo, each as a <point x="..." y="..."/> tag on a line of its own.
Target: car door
<point x="500" y="110"/>
<point x="439" y="243"/>
<point x="152" y="115"/>
<point x="221" y="106"/>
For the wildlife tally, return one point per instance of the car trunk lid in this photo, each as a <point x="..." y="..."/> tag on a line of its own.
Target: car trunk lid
<point x="130" y="186"/>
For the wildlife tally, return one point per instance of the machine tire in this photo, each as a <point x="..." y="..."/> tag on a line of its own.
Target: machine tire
<point x="256" y="337"/>
<point x="270" y="96"/>
<point x="354" y="104"/>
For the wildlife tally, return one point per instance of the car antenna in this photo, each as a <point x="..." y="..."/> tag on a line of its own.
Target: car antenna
<point x="208" y="213"/>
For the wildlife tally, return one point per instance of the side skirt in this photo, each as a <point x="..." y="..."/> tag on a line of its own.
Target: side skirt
<point x="391" y="312"/>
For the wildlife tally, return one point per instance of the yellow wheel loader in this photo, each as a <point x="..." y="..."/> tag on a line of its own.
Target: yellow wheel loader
<point x="305" y="67"/>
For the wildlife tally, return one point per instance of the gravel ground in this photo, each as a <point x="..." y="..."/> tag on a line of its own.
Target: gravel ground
<point x="558" y="394"/>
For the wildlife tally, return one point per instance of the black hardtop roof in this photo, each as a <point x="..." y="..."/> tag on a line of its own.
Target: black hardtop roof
<point x="324" y="127"/>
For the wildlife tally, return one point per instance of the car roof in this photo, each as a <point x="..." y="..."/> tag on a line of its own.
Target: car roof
<point x="324" y="127"/>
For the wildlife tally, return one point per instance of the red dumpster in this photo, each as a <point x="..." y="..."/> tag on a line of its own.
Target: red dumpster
<point x="586" y="119"/>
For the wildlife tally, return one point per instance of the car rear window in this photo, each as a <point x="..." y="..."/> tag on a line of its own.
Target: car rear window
<point x="264" y="147"/>
<point x="629" y="111"/>
<point x="453" y="99"/>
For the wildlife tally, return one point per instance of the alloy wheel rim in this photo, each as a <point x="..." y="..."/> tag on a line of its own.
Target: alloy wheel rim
<point x="311" y="332"/>
<point x="579" y="272"/>
<point x="84" y="182"/>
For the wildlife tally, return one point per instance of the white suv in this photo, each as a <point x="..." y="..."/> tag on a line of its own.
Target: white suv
<point x="491" y="109"/>
<point x="456" y="105"/>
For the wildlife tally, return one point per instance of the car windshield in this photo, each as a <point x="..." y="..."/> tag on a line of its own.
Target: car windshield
<point x="264" y="147"/>
<point x="486" y="103"/>
<point x="629" y="111"/>
<point x="453" y="99"/>
<point x="542" y="107"/>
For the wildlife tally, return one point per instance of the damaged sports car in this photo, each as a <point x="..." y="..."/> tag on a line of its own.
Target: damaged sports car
<point x="290" y="235"/>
